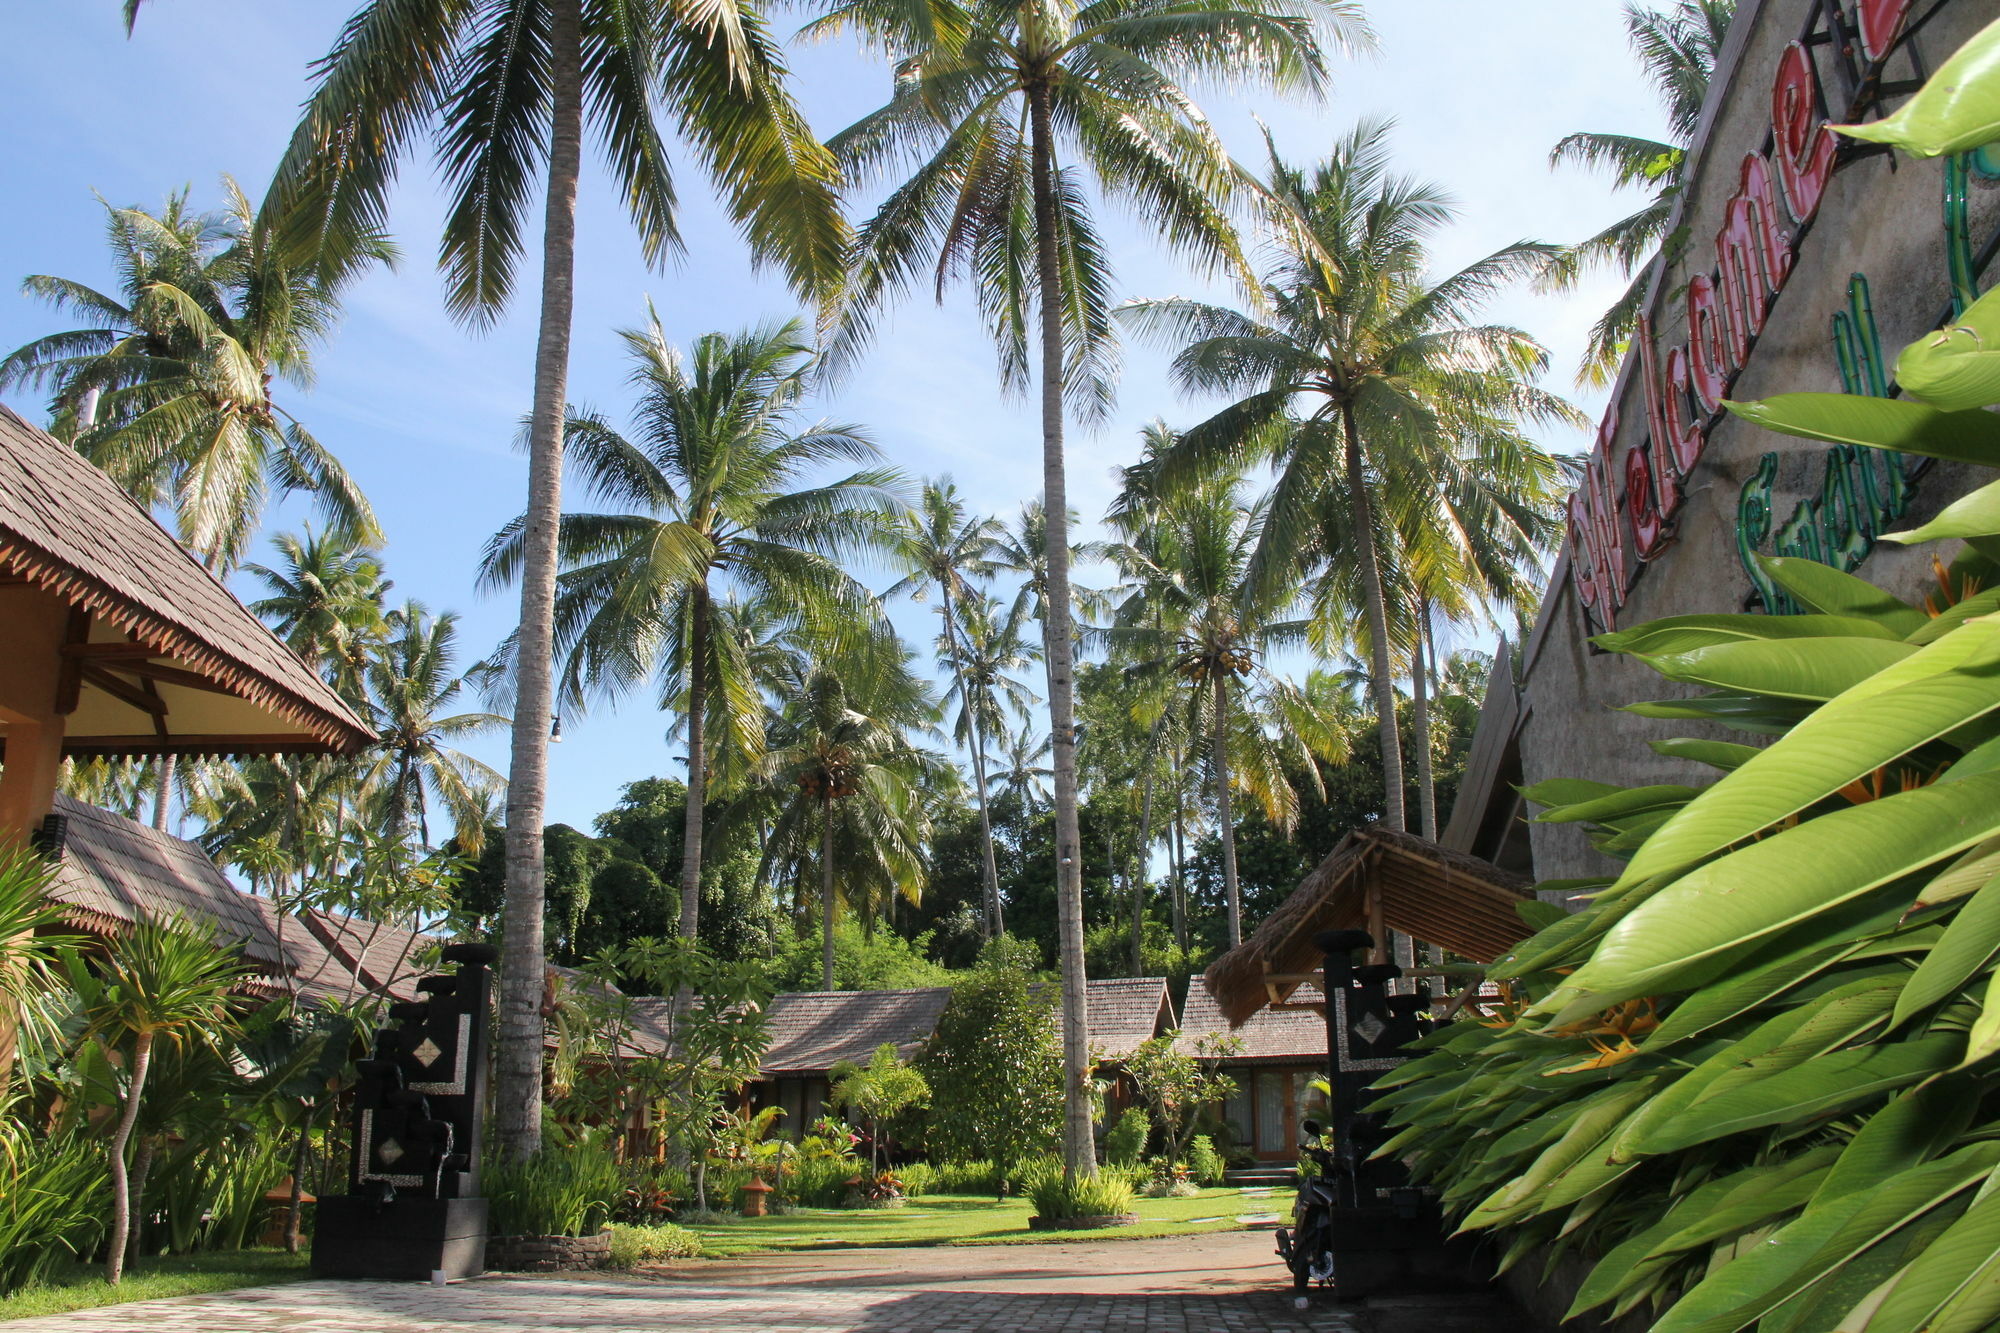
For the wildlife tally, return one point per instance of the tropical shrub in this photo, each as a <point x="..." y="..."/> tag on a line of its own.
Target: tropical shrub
<point x="51" y="1192"/>
<point x="632" y="1245"/>
<point x="1168" y="1179"/>
<point x="1204" y="1163"/>
<point x="1125" y="1142"/>
<point x="982" y="1177"/>
<point x="567" y="1189"/>
<point x="1055" y="1195"/>
<point x="819" y="1182"/>
<point x="877" y="1092"/>
<point x="651" y="1191"/>
<point x="1180" y="1084"/>
<point x="919" y="1178"/>
<point x="994" y="1068"/>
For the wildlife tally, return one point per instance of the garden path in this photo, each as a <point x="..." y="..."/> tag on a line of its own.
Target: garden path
<point x="1221" y="1283"/>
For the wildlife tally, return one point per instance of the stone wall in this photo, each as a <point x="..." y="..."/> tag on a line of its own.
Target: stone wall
<point x="548" y="1254"/>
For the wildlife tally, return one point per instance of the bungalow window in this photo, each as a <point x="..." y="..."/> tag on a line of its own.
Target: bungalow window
<point x="1237" y="1110"/>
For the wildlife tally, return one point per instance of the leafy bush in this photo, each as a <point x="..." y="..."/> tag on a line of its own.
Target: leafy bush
<point x="1204" y="1163"/>
<point x="1169" y="1180"/>
<point x="652" y="1191"/>
<point x="819" y="1182"/>
<point x="51" y="1201"/>
<point x="1125" y="1142"/>
<point x="970" y="1178"/>
<point x="994" y="1067"/>
<point x="1102" y="1195"/>
<point x="651" y="1244"/>
<point x="566" y="1189"/>
<point x="919" y="1178"/>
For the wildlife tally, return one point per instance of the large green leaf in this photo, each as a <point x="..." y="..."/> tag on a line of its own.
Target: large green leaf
<point x="1954" y="1285"/>
<point x="1970" y="940"/>
<point x="1822" y="1085"/>
<point x="1826" y="589"/>
<point x="1590" y="1122"/>
<point x="1620" y="804"/>
<point x="1984" y="1038"/>
<point x="1935" y="691"/>
<point x="1725" y="755"/>
<point x="1879" y="423"/>
<point x="1915" y="1127"/>
<point x="1966" y="608"/>
<point x="1770" y="884"/>
<point x="1973" y="515"/>
<point x="1957" y="109"/>
<point x="1558" y="792"/>
<point x="1745" y="712"/>
<point x="1810" y="669"/>
<point x="1677" y="634"/>
<point x="1958" y="367"/>
<point x="1821" y="1238"/>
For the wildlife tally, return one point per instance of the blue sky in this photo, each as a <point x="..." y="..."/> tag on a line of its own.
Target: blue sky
<point x="423" y="413"/>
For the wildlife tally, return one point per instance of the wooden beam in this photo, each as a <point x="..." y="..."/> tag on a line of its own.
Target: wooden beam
<point x="171" y="675"/>
<point x="69" y="671"/>
<point x="95" y="651"/>
<point x="124" y="691"/>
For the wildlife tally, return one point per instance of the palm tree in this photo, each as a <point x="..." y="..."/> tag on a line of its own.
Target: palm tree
<point x="710" y="490"/>
<point x="169" y="389"/>
<point x="1197" y="614"/>
<point x="940" y="544"/>
<point x="1677" y="47"/>
<point x="1359" y="383"/>
<point x="1005" y="111"/>
<point x="851" y="783"/>
<point x="162" y="982"/>
<point x="412" y="686"/>
<point x="324" y="599"/>
<point x="507" y="90"/>
<point x="1024" y="773"/>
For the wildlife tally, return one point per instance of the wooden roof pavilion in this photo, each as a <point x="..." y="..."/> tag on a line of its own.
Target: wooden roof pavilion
<point x="1375" y="880"/>
<point x="118" y="642"/>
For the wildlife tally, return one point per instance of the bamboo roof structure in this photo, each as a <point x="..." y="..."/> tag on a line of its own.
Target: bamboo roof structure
<point x="1375" y="880"/>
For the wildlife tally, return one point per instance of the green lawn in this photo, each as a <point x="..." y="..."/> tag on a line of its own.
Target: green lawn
<point x="82" y="1287"/>
<point x="959" y="1220"/>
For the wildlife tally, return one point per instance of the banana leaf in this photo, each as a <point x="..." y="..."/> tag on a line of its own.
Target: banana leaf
<point x="1969" y="942"/>
<point x="1879" y="423"/>
<point x="1811" y="669"/>
<point x="1824" y="1302"/>
<point x="1822" y="1085"/>
<point x="1628" y="801"/>
<point x="1676" y="634"/>
<point x="1745" y="712"/>
<point x="1768" y="885"/>
<point x="1820" y="1239"/>
<point x="1957" y="109"/>
<point x="1966" y="608"/>
<point x="1587" y="1126"/>
<point x="1974" y="515"/>
<point x="1912" y="1129"/>
<point x="1725" y="755"/>
<point x="1932" y="693"/>
<point x="1834" y="592"/>
<point x="1953" y="1286"/>
<point x="1558" y="792"/>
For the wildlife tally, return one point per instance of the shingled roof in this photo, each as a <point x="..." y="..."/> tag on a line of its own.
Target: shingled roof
<point x="1269" y="1036"/>
<point x="391" y="958"/>
<point x="171" y="661"/>
<point x="116" y="872"/>
<point x="1125" y="1011"/>
<point x="812" y="1031"/>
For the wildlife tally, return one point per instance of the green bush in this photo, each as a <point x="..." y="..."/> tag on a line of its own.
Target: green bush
<point x="969" y="1178"/>
<point x="1106" y="1194"/>
<point x="651" y="1191"/>
<point x="1204" y="1163"/>
<point x="651" y="1244"/>
<point x="566" y="1189"/>
<point x="52" y="1193"/>
<point x="919" y="1178"/>
<point x="819" y="1182"/>
<point x="1125" y="1142"/>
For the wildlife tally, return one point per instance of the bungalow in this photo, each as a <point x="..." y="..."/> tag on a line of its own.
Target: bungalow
<point x="1278" y="1054"/>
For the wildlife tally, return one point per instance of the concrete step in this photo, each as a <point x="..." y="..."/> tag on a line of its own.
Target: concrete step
<point x="1275" y="1177"/>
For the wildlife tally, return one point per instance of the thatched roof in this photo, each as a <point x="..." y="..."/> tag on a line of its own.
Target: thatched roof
<point x="1374" y="878"/>
<point x="165" y="659"/>
<point x="116" y="872"/>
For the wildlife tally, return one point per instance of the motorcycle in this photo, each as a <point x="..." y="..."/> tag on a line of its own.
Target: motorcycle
<point x="1307" y="1246"/>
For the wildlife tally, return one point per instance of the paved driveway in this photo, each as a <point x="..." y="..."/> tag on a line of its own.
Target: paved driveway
<point x="1220" y="1283"/>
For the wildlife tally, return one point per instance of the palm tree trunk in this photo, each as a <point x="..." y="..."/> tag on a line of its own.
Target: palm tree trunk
<point x="1383" y="684"/>
<point x="121" y="1184"/>
<point x="517" y="1094"/>
<point x="163" y="795"/>
<point x="1420" y="721"/>
<point x="1079" y="1152"/>
<point x="142" y="1167"/>
<point x="1225" y="822"/>
<point x="1178" y="900"/>
<point x="988" y="869"/>
<point x="826" y="894"/>
<point x="1140" y="868"/>
<point x="301" y="1158"/>
<point x="697" y="783"/>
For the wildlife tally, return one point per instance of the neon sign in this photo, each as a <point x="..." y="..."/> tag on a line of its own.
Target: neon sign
<point x="1622" y="518"/>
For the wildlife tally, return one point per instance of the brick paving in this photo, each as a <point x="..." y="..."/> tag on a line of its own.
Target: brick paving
<point x="1212" y="1284"/>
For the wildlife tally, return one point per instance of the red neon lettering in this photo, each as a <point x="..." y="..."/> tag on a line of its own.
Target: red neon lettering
<point x="1751" y="261"/>
<point x="1880" y="21"/>
<point x="1684" y="438"/>
<point x="1711" y="351"/>
<point x="1604" y="535"/>
<point x="1642" y="501"/>
<point x="1800" y="142"/>
<point x="1676" y="443"/>
<point x="1582" y="565"/>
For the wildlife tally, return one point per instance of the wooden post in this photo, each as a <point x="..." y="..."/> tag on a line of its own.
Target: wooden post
<point x="37" y="692"/>
<point x="1380" y="953"/>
